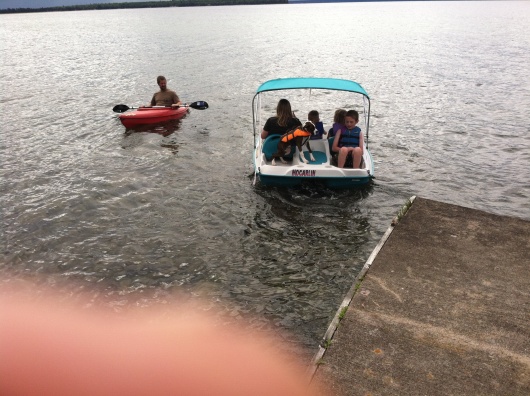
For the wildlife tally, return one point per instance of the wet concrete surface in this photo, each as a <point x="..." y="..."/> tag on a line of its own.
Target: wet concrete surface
<point x="444" y="309"/>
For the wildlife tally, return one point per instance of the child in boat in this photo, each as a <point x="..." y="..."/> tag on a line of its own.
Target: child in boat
<point x="349" y="140"/>
<point x="338" y="122"/>
<point x="314" y="117"/>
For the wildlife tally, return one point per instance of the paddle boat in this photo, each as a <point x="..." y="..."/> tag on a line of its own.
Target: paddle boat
<point x="154" y="115"/>
<point x="324" y="168"/>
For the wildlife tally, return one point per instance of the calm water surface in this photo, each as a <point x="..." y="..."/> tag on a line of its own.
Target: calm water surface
<point x="134" y="218"/>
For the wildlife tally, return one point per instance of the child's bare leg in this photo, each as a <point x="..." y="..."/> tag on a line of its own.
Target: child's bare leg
<point x="357" y="154"/>
<point x="343" y="153"/>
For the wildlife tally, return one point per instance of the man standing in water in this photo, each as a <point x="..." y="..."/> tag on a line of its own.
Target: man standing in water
<point x="165" y="97"/>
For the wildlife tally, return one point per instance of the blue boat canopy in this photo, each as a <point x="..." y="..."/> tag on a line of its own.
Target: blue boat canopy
<point x="312" y="83"/>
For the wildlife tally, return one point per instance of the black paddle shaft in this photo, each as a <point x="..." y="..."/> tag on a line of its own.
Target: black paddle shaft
<point x="199" y="105"/>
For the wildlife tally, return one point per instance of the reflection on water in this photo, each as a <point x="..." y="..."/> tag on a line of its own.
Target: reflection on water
<point x="165" y="129"/>
<point x="161" y="128"/>
<point x="299" y="246"/>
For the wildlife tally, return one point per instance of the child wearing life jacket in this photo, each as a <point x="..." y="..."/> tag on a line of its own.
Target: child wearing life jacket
<point x="314" y="117"/>
<point x="349" y="140"/>
<point x="338" y="122"/>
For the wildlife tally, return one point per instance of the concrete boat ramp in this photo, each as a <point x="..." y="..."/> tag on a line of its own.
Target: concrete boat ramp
<point x="441" y="307"/>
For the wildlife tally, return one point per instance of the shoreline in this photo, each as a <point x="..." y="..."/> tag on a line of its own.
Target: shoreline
<point x="143" y="4"/>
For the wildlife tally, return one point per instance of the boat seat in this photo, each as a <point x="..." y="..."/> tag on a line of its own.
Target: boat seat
<point x="330" y="141"/>
<point x="270" y="146"/>
<point x="334" y="157"/>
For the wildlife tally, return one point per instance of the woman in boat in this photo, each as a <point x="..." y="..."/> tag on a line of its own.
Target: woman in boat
<point x="349" y="140"/>
<point x="283" y="121"/>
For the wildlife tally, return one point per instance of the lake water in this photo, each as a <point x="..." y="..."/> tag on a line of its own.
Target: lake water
<point x="133" y="219"/>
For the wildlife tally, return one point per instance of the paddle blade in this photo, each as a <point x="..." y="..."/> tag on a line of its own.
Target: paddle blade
<point x="200" y="105"/>
<point x="120" y="108"/>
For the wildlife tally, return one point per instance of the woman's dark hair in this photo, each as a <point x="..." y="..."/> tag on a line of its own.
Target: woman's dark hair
<point x="284" y="112"/>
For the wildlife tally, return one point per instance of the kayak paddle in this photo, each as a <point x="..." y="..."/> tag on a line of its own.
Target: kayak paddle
<point x="200" y="105"/>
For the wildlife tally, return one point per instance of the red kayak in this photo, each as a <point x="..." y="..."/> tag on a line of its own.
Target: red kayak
<point x="151" y="115"/>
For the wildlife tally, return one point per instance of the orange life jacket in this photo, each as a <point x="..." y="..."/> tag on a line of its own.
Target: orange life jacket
<point x="293" y="134"/>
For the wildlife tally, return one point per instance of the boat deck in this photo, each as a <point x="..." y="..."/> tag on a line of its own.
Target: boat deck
<point x="321" y="152"/>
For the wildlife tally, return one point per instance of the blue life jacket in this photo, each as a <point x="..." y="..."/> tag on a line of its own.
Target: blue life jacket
<point x="350" y="137"/>
<point x="319" y="126"/>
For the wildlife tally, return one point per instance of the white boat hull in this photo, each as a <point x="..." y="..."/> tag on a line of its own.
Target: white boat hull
<point x="296" y="171"/>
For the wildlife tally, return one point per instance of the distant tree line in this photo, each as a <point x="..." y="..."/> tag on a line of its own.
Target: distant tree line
<point x="144" y="4"/>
